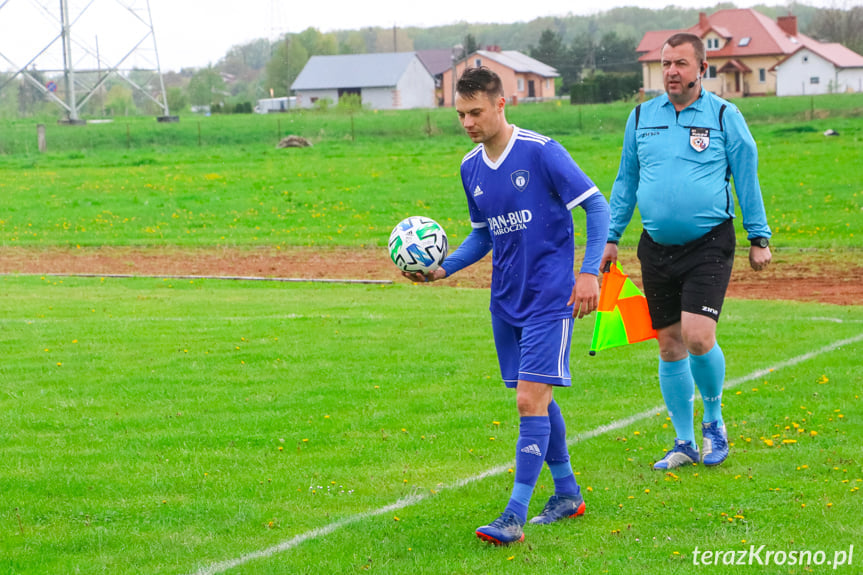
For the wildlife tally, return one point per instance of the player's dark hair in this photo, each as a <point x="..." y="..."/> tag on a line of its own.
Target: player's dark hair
<point x="684" y="38"/>
<point x="479" y="80"/>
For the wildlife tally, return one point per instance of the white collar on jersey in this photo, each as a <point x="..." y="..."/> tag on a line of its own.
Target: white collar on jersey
<point x="502" y="158"/>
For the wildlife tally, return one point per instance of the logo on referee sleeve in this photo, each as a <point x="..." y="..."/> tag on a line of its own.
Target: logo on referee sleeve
<point x="532" y="449"/>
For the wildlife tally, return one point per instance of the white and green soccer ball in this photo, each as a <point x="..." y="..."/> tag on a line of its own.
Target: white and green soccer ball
<point x="418" y="244"/>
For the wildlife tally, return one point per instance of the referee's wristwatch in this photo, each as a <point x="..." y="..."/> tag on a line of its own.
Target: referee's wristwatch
<point x="759" y="242"/>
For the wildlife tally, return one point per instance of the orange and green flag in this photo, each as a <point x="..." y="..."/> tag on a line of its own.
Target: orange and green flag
<point x="622" y="316"/>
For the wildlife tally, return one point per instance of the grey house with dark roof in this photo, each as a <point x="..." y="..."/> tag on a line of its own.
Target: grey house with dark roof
<point x="394" y="81"/>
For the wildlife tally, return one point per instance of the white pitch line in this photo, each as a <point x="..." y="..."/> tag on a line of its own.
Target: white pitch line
<point x="289" y="544"/>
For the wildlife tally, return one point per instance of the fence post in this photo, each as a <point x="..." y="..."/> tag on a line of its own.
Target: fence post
<point x="40" y="134"/>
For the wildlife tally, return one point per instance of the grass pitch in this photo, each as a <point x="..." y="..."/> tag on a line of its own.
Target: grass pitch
<point x="145" y="433"/>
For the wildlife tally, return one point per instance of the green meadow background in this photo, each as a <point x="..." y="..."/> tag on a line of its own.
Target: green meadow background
<point x="155" y="425"/>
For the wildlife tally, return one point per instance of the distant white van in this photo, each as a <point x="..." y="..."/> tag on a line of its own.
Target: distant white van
<point x="275" y="105"/>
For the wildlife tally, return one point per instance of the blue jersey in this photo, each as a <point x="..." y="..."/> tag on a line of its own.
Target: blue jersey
<point x="678" y="167"/>
<point x="524" y="200"/>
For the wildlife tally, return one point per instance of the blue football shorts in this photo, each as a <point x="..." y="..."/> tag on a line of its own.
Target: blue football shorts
<point x="538" y="352"/>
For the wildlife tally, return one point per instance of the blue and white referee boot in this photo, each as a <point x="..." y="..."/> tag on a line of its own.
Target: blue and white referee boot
<point x="684" y="453"/>
<point x="715" y="443"/>
<point x="560" y="507"/>
<point x="504" y="530"/>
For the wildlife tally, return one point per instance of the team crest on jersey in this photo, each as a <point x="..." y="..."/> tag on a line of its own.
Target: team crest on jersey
<point x="520" y="178"/>
<point x="699" y="138"/>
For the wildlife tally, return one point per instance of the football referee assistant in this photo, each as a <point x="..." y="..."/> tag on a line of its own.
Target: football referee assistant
<point x="680" y="152"/>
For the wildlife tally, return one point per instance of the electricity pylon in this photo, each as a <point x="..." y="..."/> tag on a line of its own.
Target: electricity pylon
<point x="38" y="41"/>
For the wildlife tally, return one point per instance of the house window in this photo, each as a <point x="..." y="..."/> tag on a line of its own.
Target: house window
<point x="762" y="75"/>
<point x="744" y="41"/>
<point x="814" y="80"/>
<point x="713" y="43"/>
<point x="521" y="84"/>
<point x="477" y="63"/>
<point x="805" y="59"/>
<point x="547" y="84"/>
<point x="711" y="73"/>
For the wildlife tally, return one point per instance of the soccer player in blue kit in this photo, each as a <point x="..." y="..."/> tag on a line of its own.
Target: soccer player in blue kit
<point x="521" y="187"/>
<point x="680" y="151"/>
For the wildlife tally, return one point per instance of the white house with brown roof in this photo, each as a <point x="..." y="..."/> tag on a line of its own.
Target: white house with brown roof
<point x="749" y="54"/>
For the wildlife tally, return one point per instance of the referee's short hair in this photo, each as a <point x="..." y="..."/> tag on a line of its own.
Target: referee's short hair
<point x="481" y="79"/>
<point x="684" y="38"/>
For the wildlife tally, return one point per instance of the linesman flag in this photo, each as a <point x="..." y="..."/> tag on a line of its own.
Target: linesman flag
<point x="622" y="316"/>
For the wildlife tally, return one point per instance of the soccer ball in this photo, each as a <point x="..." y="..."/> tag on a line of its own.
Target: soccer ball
<point x="418" y="244"/>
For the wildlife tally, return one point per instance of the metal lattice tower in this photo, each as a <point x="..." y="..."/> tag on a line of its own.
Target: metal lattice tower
<point x="69" y="49"/>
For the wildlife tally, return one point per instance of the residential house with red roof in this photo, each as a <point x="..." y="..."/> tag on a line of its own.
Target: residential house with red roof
<point x="749" y="54"/>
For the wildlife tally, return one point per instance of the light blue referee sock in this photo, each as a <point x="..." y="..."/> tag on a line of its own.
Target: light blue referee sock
<point x="709" y="373"/>
<point x="678" y="391"/>
<point x="558" y="454"/>
<point x="530" y="452"/>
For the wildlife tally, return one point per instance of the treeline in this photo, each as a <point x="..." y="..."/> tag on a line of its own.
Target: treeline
<point x="595" y="56"/>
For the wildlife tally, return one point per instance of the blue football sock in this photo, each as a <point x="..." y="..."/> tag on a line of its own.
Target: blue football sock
<point x="530" y="450"/>
<point x="558" y="454"/>
<point x="709" y="373"/>
<point x="678" y="390"/>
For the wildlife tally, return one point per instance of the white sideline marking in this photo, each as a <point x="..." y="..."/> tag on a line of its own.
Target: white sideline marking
<point x="223" y="566"/>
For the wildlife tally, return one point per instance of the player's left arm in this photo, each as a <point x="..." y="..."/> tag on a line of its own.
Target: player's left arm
<point x="585" y="294"/>
<point x="577" y="189"/>
<point x="742" y="153"/>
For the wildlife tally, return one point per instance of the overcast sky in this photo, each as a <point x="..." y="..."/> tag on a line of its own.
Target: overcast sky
<point x="194" y="33"/>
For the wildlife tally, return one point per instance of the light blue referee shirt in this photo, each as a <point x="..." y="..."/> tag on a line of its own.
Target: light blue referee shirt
<point x="678" y="167"/>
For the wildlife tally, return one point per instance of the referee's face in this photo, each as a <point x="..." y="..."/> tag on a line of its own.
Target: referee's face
<point x="481" y="116"/>
<point x="681" y="73"/>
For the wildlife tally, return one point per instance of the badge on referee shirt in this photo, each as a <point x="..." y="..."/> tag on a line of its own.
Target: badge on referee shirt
<point x="699" y="138"/>
<point x="520" y="178"/>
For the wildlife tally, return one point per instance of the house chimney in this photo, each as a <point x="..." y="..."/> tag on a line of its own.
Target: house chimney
<point x="703" y="22"/>
<point x="788" y="24"/>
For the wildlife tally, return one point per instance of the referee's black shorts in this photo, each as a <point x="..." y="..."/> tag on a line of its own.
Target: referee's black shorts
<point x="692" y="277"/>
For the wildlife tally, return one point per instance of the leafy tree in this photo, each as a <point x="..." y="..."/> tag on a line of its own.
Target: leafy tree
<point x="615" y="54"/>
<point x="245" y="60"/>
<point x="288" y="60"/>
<point x="353" y="43"/>
<point x="177" y="100"/>
<point x="469" y="45"/>
<point x="386" y="42"/>
<point x="29" y="96"/>
<point x="206" y="87"/>
<point x="552" y="51"/>
<point x="119" y="101"/>
<point x="842" y="26"/>
<point x="317" y="44"/>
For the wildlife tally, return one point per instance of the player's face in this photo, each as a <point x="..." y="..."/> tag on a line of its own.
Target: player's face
<point x="680" y="67"/>
<point x="481" y="116"/>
